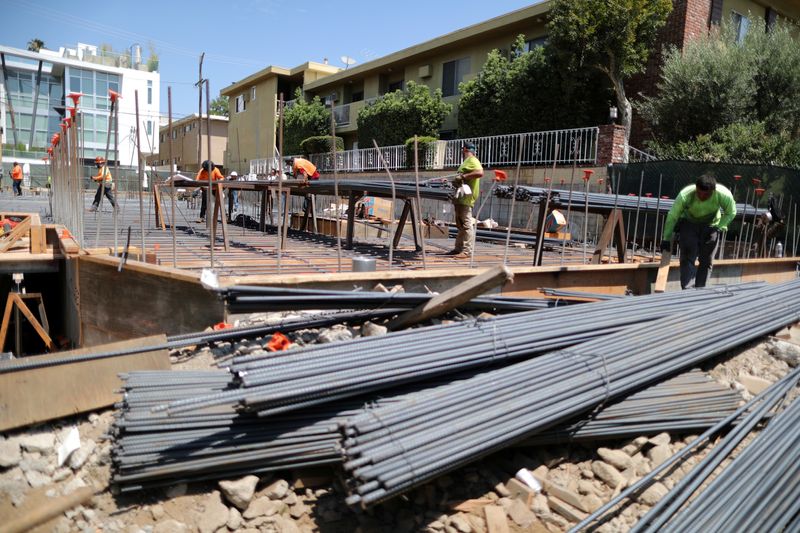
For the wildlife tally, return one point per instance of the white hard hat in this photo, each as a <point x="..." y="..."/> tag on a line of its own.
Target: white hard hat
<point x="234" y="173"/>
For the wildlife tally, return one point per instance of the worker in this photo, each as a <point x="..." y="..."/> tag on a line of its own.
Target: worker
<point x="233" y="176"/>
<point x="305" y="169"/>
<point x="202" y="175"/>
<point x="104" y="184"/>
<point x="700" y="214"/>
<point x="16" y="179"/>
<point x="467" y="186"/>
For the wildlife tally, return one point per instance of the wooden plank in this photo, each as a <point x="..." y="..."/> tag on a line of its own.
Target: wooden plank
<point x="471" y="506"/>
<point x="9" y="239"/>
<point x="496" y="521"/>
<point x="663" y="272"/>
<point x="453" y="297"/>
<point x="46" y="393"/>
<point x="140" y="301"/>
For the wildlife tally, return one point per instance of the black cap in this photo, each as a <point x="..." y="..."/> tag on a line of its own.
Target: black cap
<point x="469" y="146"/>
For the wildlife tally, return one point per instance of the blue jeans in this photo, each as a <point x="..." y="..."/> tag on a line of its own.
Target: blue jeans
<point x="16" y="185"/>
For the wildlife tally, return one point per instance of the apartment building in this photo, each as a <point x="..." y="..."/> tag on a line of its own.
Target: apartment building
<point x="444" y="62"/>
<point x="182" y="144"/>
<point x="37" y="84"/>
<point x="252" y="128"/>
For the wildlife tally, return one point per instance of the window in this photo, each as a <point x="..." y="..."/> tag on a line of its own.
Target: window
<point x="357" y="97"/>
<point x="174" y="134"/>
<point x="396" y="86"/>
<point x="161" y="138"/>
<point x="240" y="103"/>
<point x="453" y="73"/>
<point x="742" y="24"/>
<point x="149" y="91"/>
<point x="538" y="42"/>
<point x="149" y="127"/>
<point x="252" y="93"/>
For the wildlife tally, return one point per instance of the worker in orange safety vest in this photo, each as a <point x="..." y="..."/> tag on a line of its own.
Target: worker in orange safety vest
<point x="202" y="175"/>
<point x="305" y="169"/>
<point x="16" y="179"/>
<point x="104" y="184"/>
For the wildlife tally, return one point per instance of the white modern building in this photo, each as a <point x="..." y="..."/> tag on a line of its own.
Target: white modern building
<point x="37" y="84"/>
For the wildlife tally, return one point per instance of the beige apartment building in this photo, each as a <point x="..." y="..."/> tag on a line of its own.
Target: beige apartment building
<point x="252" y="105"/>
<point x="184" y="139"/>
<point x="444" y="62"/>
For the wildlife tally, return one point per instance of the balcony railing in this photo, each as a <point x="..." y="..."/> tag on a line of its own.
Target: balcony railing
<point x="638" y="156"/>
<point x="341" y="115"/>
<point x="538" y="148"/>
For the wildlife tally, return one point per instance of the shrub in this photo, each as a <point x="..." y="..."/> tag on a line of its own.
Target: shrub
<point x="304" y="120"/>
<point x="423" y="145"/>
<point x="402" y="114"/>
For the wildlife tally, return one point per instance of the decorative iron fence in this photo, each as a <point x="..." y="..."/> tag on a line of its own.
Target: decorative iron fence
<point x="537" y="148"/>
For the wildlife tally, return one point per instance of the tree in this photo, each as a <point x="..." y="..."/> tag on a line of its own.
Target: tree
<point x="303" y="120"/>
<point x="614" y="37"/>
<point x="219" y="106"/>
<point x="34" y="45"/>
<point x="530" y="91"/>
<point x="402" y="114"/>
<point x="705" y="86"/>
<point x="719" y="98"/>
<point x="152" y="61"/>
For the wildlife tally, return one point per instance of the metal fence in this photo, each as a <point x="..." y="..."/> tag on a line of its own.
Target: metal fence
<point x="537" y="148"/>
<point x="782" y="183"/>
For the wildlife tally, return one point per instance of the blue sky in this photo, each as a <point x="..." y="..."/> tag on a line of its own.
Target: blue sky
<point x="240" y="37"/>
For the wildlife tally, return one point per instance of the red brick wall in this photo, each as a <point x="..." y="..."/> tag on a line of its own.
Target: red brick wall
<point x="610" y="144"/>
<point x="688" y="21"/>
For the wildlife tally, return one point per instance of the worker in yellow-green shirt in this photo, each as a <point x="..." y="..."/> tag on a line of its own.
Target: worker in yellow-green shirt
<point x="700" y="214"/>
<point x="469" y="174"/>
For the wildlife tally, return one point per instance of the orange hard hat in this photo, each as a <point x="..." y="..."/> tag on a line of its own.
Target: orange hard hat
<point x="99" y="160"/>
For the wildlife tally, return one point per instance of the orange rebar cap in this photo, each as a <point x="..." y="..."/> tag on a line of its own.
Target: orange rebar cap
<point x="75" y="97"/>
<point x="760" y="191"/>
<point x="278" y="343"/>
<point x="221" y="325"/>
<point x="72" y="111"/>
<point x="499" y="175"/>
<point x="587" y="174"/>
<point x="114" y="95"/>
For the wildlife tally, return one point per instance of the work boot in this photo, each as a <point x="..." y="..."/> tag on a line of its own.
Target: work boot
<point x="92" y="209"/>
<point x="453" y="252"/>
<point x="461" y="255"/>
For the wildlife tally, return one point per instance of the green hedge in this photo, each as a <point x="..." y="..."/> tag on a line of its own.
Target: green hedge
<point x="423" y="144"/>
<point x="319" y="144"/>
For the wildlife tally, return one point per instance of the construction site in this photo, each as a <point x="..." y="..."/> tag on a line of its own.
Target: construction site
<point x="321" y="343"/>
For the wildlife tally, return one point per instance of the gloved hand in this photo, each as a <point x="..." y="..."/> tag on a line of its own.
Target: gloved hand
<point x="666" y="246"/>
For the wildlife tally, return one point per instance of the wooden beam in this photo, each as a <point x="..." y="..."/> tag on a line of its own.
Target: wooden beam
<point x="66" y="388"/>
<point x="452" y="298"/>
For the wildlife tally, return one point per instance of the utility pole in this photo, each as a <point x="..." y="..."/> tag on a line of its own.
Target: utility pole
<point x="199" y="86"/>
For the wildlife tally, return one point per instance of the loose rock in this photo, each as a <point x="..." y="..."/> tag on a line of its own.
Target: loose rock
<point x="215" y="514"/>
<point x="263" y="507"/>
<point x="234" y="519"/>
<point x="171" y="526"/>
<point x="239" y="492"/>
<point x="277" y="489"/>
<point x="653" y="494"/>
<point x="79" y="456"/>
<point x="616" y="458"/>
<point x="372" y="330"/>
<point x="10" y="454"/>
<point x="610" y="475"/>
<point x="38" y="442"/>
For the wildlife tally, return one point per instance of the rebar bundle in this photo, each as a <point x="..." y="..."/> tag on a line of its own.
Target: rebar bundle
<point x="759" y="490"/>
<point x="319" y="374"/>
<point x="688" y="402"/>
<point x="249" y="299"/>
<point x="605" y="201"/>
<point x="392" y="449"/>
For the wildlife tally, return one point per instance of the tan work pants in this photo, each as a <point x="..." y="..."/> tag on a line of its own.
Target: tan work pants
<point x="465" y="222"/>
